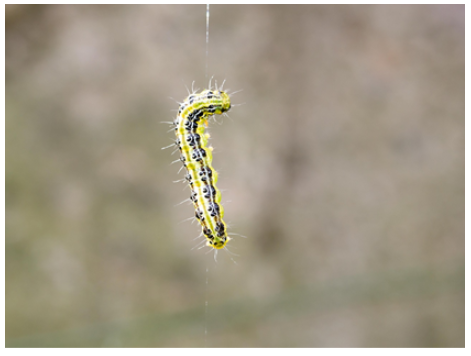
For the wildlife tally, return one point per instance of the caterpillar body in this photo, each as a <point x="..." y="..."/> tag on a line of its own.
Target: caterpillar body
<point x="196" y="156"/>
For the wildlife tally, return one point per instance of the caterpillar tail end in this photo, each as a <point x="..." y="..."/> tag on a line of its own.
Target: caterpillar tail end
<point x="218" y="245"/>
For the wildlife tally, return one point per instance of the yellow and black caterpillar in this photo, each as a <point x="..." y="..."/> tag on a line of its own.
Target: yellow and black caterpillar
<point x="196" y="157"/>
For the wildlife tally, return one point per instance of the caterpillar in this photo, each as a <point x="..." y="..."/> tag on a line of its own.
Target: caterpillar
<point x="196" y="156"/>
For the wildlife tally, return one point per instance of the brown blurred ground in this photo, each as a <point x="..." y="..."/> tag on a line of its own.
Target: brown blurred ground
<point x="344" y="167"/>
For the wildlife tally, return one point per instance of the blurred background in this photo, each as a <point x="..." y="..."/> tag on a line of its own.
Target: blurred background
<point x="343" y="166"/>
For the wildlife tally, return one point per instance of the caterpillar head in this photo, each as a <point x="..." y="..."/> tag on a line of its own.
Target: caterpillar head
<point x="223" y="102"/>
<point x="226" y="101"/>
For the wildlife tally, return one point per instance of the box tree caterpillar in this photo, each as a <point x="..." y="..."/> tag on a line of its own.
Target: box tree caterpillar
<point x="196" y="156"/>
